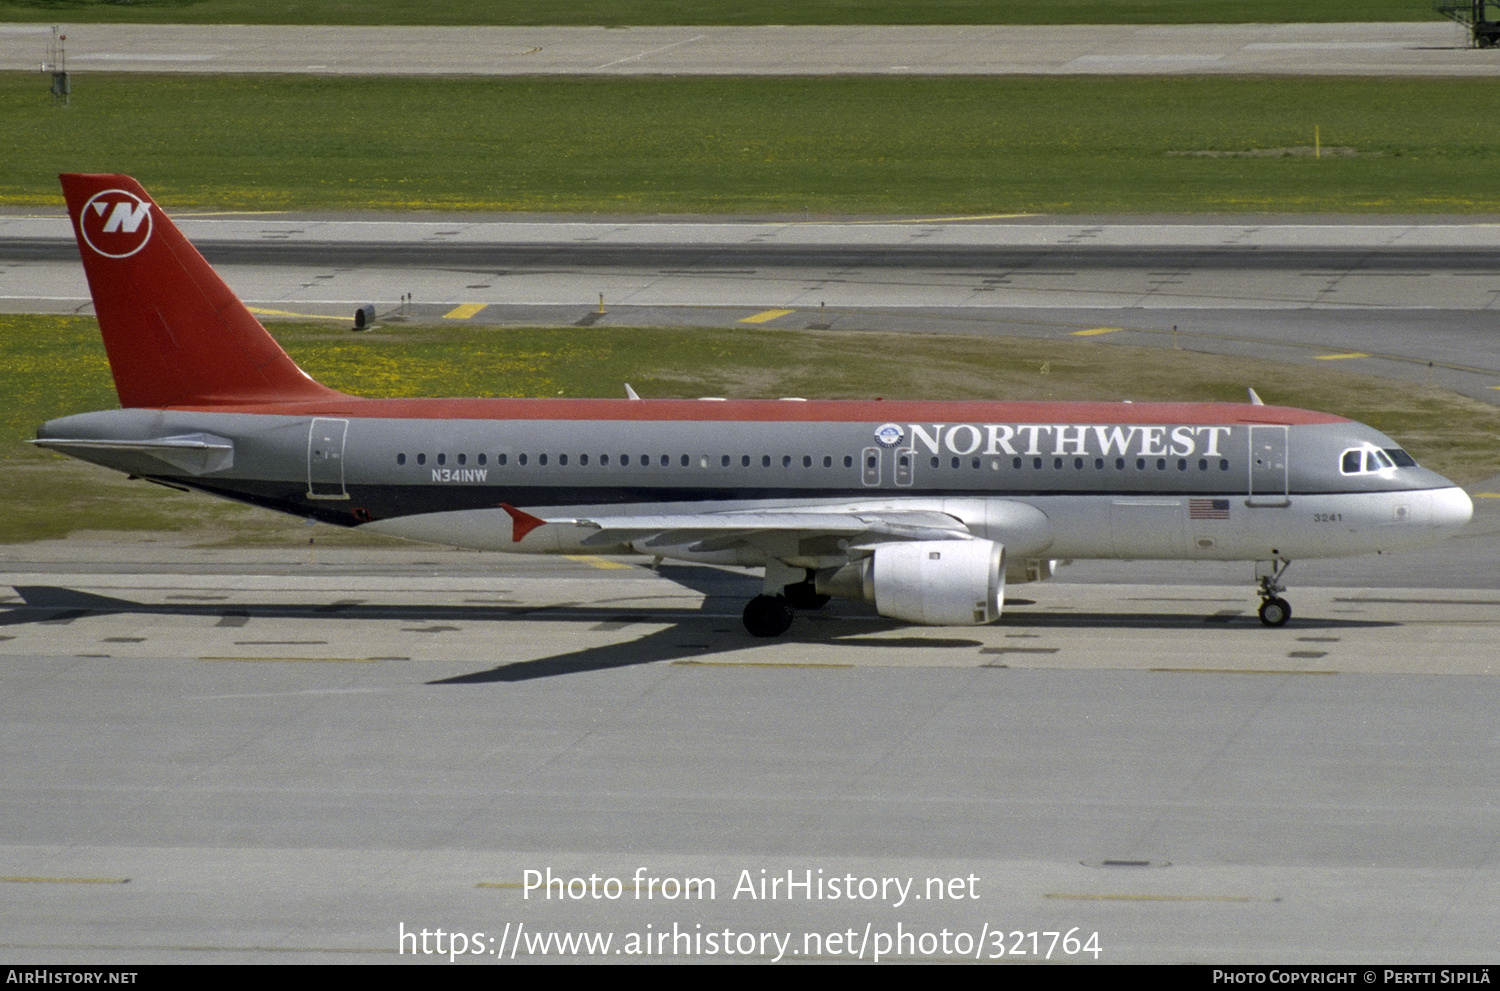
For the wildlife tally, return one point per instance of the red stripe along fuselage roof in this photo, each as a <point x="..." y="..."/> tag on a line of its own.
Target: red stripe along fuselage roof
<point x="786" y="411"/>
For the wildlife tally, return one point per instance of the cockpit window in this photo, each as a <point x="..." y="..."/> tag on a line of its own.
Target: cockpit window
<point x="1367" y="460"/>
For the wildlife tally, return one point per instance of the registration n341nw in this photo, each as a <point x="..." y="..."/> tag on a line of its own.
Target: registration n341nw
<point x="925" y="509"/>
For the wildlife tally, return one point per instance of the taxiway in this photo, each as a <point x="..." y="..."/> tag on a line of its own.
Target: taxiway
<point x="1413" y="299"/>
<point x="1420" y="49"/>
<point x="220" y="756"/>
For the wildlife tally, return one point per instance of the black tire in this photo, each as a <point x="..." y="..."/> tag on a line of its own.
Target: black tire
<point x="1275" y="612"/>
<point x="767" y="616"/>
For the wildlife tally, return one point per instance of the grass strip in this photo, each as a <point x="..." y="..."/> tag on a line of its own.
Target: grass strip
<point x="779" y="146"/>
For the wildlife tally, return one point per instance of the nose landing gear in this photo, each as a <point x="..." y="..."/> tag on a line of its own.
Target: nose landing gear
<point x="1274" y="610"/>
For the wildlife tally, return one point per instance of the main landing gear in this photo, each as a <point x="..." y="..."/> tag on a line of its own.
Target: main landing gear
<point x="1274" y="610"/>
<point x="771" y="615"/>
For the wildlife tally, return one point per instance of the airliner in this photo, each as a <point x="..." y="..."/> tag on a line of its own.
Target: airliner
<point x="925" y="509"/>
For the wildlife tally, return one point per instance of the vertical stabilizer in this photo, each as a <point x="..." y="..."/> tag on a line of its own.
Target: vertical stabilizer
<point x="176" y="335"/>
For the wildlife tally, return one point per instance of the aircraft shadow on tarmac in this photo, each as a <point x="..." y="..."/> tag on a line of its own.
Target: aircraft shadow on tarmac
<point x="688" y="638"/>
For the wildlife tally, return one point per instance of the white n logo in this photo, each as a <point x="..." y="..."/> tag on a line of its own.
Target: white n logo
<point x="127" y="217"/>
<point x="115" y="223"/>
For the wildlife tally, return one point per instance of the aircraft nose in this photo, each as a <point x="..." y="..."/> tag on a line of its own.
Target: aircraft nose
<point x="1451" y="508"/>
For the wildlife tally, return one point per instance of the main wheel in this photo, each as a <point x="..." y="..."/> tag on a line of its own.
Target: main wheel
<point x="1275" y="612"/>
<point x="767" y="616"/>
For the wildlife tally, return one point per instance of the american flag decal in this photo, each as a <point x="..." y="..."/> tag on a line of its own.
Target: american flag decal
<point x="1208" y="509"/>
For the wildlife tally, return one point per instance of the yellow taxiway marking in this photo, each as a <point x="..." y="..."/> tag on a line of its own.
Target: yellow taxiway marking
<point x="1487" y="495"/>
<point x="942" y="220"/>
<point x="1340" y="357"/>
<point x="66" y="880"/>
<point x="287" y="313"/>
<point x="602" y="563"/>
<point x="464" y="312"/>
<point x="766" y="316"/>
<point x="1096" y="331"/>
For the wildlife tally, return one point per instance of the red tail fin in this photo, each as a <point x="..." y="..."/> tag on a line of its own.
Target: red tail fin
<point x="176" y="335"/>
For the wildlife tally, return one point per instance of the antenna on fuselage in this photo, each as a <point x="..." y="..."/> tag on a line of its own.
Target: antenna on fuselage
<point x="1254" y="399"/>
<point x="629" y="392"/>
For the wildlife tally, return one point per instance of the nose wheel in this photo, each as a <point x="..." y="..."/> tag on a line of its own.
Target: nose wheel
<point x="1274" y="610"/>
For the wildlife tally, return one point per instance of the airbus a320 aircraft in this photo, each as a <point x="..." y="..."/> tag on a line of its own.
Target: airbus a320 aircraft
<point x="925" y="509"/>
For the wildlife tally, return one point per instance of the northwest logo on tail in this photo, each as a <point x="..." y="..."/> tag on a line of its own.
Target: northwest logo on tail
<point x="115" y="224"/>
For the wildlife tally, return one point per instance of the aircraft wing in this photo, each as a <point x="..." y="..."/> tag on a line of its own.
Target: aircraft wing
<point x="771" y="531"/>
<point x="776" y="534"/>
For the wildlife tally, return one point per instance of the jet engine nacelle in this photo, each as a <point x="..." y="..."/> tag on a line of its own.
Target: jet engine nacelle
<point x="933" y="582"/>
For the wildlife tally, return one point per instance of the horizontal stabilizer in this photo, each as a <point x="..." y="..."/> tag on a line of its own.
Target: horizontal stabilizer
<point x="197" y="454"/>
